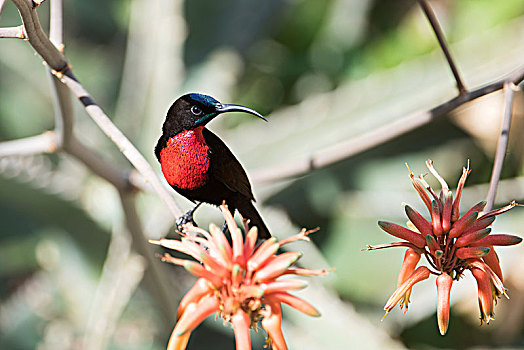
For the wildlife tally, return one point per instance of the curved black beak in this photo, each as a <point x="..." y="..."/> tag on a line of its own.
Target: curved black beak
<point x="220" y="108"/>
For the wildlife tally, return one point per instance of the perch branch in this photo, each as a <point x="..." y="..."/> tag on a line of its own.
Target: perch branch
<point x="430" y="14"/>
<point x="502" y="145"/>
<point x="377" y="136"/>
<point x="61" y="69"/>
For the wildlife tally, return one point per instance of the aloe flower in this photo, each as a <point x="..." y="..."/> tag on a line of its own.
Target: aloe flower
<point x="238" y="281"/>
<point x="451" y="243"/>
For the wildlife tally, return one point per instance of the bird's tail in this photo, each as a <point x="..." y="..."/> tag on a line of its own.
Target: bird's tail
<point x="248" y="211"/>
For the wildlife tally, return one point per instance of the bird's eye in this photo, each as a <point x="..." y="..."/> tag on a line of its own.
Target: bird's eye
<point x="196" y="110"/>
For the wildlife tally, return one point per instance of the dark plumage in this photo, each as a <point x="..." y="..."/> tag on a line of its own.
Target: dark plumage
<point x="197" y="163"/>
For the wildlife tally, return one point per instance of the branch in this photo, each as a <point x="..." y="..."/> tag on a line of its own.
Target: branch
<point x="13" y="32"/>
<point x="428" y="11"/>
<point x="162" y="289"/>
<point x="118" y="138"/>
<point x="376" y="136"/>
<point x="502" y="145"/>
<point x="36" y="36"/>
<point x="61" y="69"/>
<point x="43" y="143"/>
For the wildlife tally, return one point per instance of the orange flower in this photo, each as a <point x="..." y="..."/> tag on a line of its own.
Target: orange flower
<point x="238" y="281"/>
<point x="451" y="244"/>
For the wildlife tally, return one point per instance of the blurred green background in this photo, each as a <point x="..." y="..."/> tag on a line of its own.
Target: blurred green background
<point x="323" y="72"/>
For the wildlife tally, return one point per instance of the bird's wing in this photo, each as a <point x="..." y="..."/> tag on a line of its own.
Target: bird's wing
<point x="225" y="167"/>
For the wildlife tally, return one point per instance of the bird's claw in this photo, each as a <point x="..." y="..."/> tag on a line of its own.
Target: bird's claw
<point x="187" y="218"/>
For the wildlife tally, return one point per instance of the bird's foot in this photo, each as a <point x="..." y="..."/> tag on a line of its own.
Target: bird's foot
<point x="187" y="218"/>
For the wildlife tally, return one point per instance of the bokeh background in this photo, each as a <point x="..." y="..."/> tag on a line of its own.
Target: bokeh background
<point x="323" y="72"/>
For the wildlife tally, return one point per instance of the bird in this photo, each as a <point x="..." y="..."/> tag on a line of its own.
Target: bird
<point x="198" y="164"/>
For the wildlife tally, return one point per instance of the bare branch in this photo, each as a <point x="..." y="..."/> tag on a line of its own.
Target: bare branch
<point x="43" y="143"/>
<point x="98" y="164"/>
<point x="428" y="11"/>
<point x="56" y="25"/>
<point x="162" y="289"/>
<point x="502" y="145"/>
<point x="376" y="136"/>
<point x="125" y="146"/>
<point x="13" y="32"/>
<point x="60" y="66"/>
<point x="37" y="37"/>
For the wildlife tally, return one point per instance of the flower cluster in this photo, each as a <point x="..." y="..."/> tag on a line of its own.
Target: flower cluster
<point x="451" y="244"/>
<point x="238" y="281"/>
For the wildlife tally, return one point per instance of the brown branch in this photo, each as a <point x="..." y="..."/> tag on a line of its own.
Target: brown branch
<point x="36" y="36"/>
<point x="428" y="11"/>
<point x="13" y="32"/>
<point x="502" y="145"/>
<point x="376" y="136"/>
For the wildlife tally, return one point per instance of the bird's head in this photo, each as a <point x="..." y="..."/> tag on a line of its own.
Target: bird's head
<point x="193" y="110"/>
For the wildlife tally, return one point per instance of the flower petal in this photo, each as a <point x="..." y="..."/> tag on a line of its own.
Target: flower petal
<point x="263" y="253"/>
<point x="492" y="260"/>
<point x="435" y="218"/>
<point x="222" y="244"/>
<point x="236" y="235"/>
<point x="472" y="237"/>
<point x="403" y="233"/>
<point x="498" y="239"/>
<point x="444" y="283"/>
<point x="422" y="225"/>
<point x="411" y="259"/>
<point x="446" y="211"/>
<point x="463" y="223"/>
<point x="241" y="325"/>
<point x="296" y="303"/>
<point x="178" y="342"/>
<point x="479" y="224"/>
<point x="282" y="286"/>
<point x="195" y="314"/>
<point x="471" y="252"/>
<point x="484" y="294"/>
<point x="420" y="190"/>
<point x="455" y="211"/>
<point x="200" y="289"/>
<point x="251" y="241"/>
<point x="276" y="266"/>
<point x="272" y="323"/>
<point x="420" y="274"/>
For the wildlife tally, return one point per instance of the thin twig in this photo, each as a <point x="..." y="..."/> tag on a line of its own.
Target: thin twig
<point x="13" y="32"/>
<point x="43" y="143"/>
<point x="428" y="11"/>
<point x="502" y="145"/>
<point x="61" y="96"/>
<point x="376" y="136"/>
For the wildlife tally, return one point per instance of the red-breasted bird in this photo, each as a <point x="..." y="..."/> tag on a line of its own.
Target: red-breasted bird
<point x="199" y="165"/>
